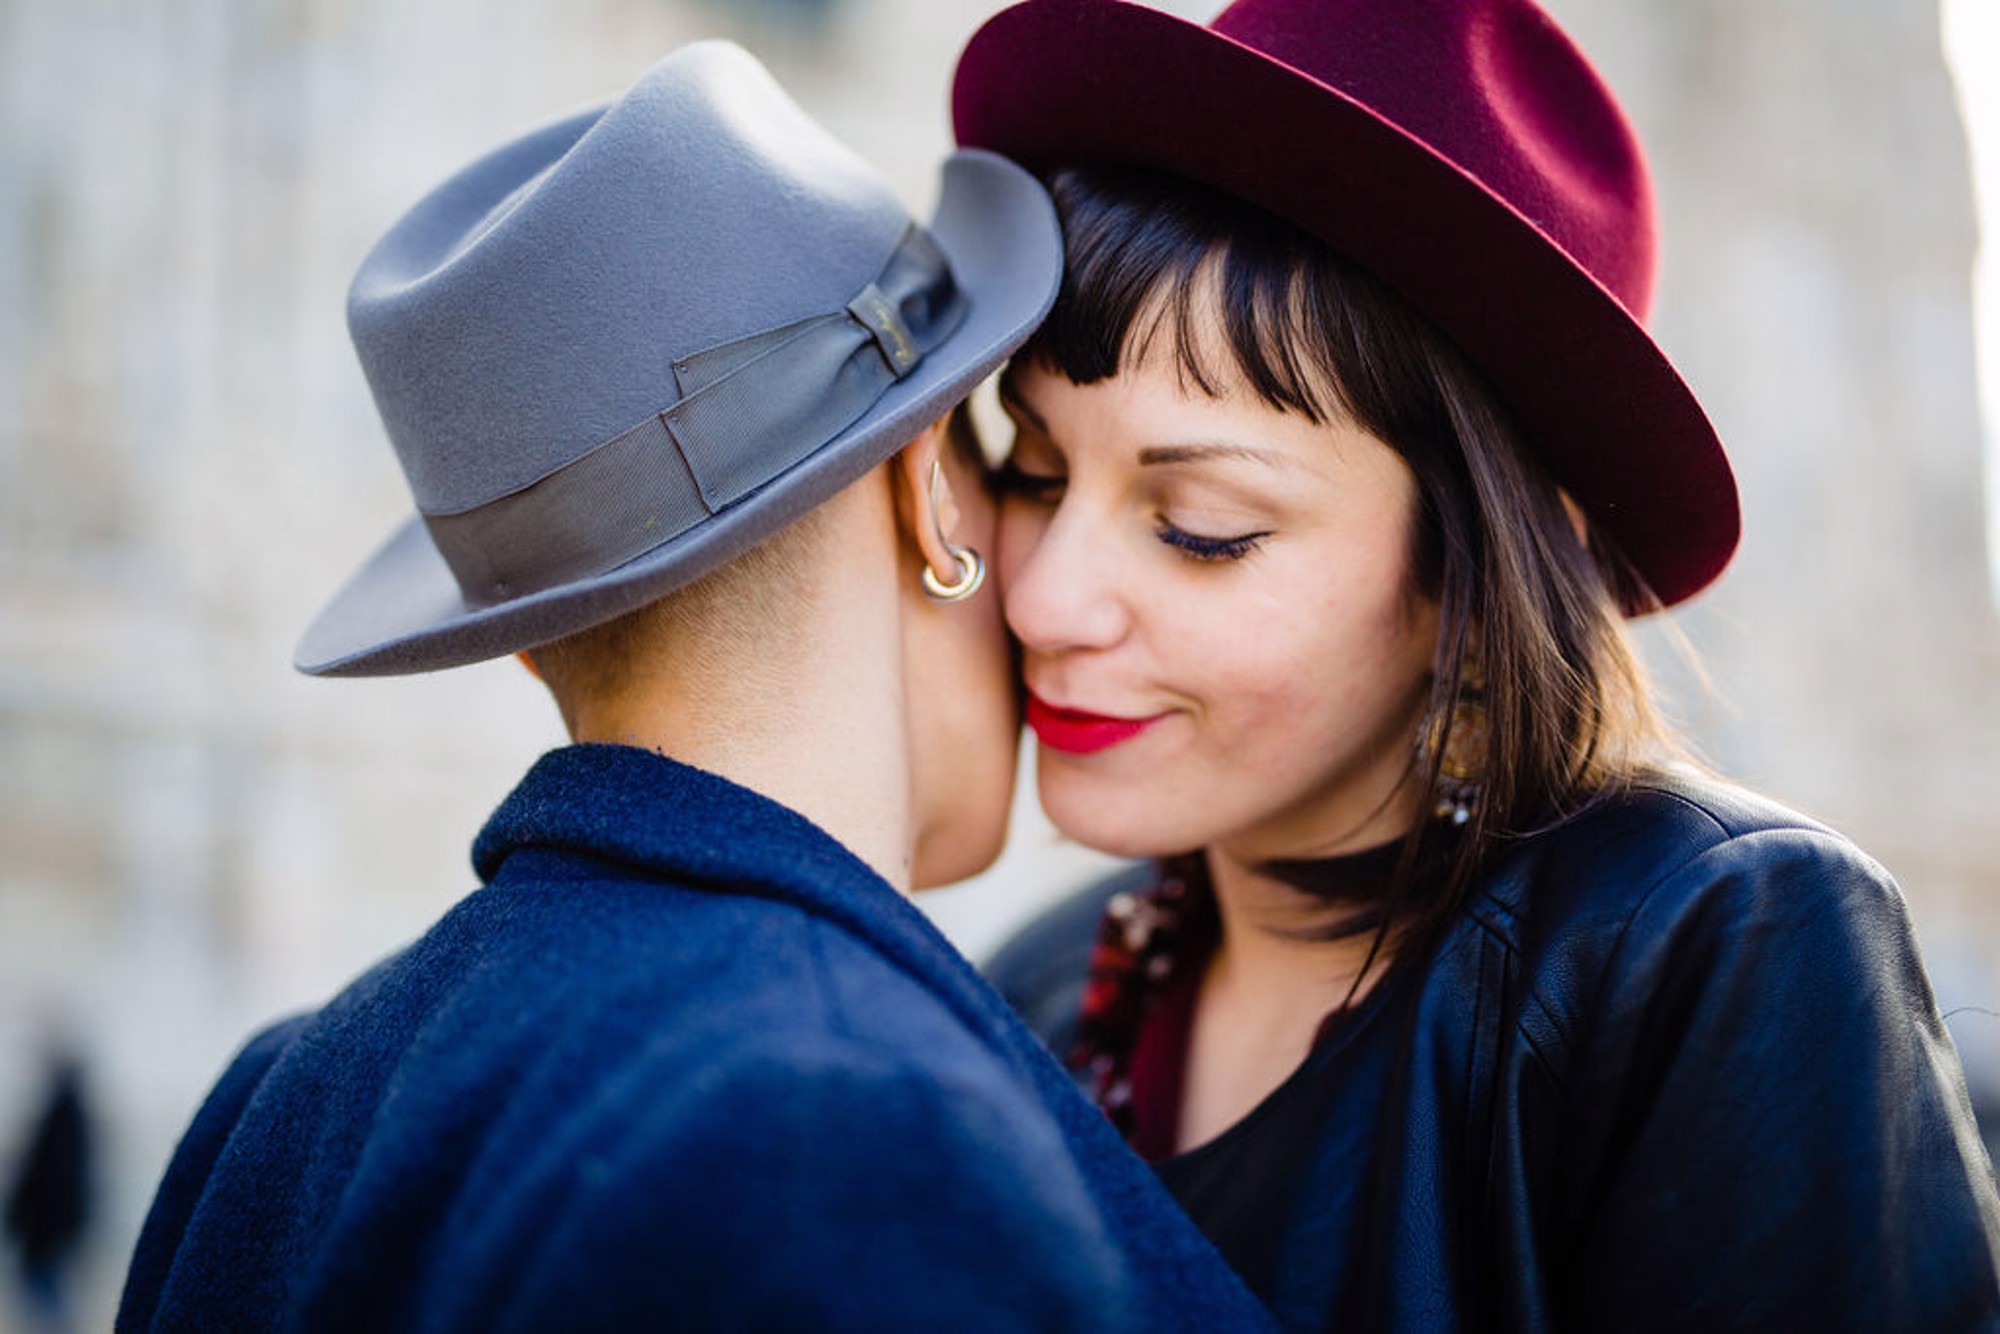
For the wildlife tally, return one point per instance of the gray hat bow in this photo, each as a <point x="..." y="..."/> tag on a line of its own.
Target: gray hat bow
<point x="792" y="388"/>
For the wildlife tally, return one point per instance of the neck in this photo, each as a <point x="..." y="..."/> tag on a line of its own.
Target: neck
<point x="1263" y="997"/>
<point x="1269" y="957"/>
<point x="1271" y="936"/>
<point x="810" y="713"/>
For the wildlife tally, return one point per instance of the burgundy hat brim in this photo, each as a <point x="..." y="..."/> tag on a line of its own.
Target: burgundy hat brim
<point x="1068" y="82"/>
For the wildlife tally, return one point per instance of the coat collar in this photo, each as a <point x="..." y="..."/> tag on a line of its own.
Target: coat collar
<point x="639" y="809"/>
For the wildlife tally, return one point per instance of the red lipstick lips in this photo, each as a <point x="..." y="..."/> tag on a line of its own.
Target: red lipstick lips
<point x="1078" y="733"/>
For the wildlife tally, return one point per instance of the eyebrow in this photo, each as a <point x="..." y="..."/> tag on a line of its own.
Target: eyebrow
<point x="1153" y="455"/>
<point x="1160" y="455"/>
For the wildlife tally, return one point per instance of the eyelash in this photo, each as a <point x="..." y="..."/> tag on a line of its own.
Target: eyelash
<point x="1196" y="547"/>
<point x="1009" y="479"/>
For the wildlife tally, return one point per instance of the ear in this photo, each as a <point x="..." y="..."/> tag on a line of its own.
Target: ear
<point x="924" y="500"/>
<point x="527" y="660"/>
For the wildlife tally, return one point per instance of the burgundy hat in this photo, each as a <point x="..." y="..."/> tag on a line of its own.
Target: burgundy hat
<point x="1463" y="151"/>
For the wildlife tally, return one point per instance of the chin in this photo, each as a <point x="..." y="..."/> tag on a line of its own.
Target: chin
<point x="1120" y="828"/>
<point x="965" y="746"/>
<point x="955" y="855"/>
<point x="968" y="837"/>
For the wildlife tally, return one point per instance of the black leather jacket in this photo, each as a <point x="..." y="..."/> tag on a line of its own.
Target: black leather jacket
<point x="1676" y="1066"/>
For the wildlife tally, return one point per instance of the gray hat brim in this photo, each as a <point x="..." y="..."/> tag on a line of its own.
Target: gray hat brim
<point x="402" y="612"/>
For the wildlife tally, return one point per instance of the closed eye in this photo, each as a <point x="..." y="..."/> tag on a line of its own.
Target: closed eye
<point x="1197" y="547"/>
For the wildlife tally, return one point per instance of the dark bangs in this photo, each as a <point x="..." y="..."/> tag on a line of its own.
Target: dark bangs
<point x="1138" y="250"/>
<point x="1305" y="328"/>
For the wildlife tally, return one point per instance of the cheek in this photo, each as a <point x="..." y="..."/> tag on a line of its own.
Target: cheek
<point x="1017" y="531"/>
<point x="1255" y="645"/>
<point x="976" y="694"/>
<point x="1258" y="692"/>
<point x="967" y="734"/>
<point x="1325" y="660"/>
<point x="977" y="514"/>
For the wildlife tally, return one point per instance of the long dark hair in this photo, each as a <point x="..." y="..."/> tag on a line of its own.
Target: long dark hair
<point x="1569" y="712"/>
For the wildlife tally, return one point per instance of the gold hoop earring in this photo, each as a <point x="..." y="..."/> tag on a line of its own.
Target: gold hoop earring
<point x="971" y="574"/>
<point x="971" y="569"/>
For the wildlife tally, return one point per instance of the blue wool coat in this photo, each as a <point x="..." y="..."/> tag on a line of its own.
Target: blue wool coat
<point x="683" y="1062"/>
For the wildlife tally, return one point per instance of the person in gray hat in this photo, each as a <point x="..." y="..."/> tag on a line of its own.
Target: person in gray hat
<point x="671" y="383"/>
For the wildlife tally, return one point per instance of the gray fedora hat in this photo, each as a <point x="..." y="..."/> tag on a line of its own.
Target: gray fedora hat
<point x="615" y="353"/>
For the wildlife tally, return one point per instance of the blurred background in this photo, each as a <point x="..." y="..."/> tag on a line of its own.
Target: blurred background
<point x="193" y="839"/>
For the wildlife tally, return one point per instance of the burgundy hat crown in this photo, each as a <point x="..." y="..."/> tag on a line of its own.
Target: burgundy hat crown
<point x="1494" y="87"/>
<point x="1463" y="151"/>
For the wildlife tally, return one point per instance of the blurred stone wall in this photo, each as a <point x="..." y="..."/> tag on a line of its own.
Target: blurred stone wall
<point x="193" y="840"/>
<point x="1819" y="240"/>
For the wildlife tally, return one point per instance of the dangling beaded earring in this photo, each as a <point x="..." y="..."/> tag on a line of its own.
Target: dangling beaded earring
<point x="1462" y="763"/>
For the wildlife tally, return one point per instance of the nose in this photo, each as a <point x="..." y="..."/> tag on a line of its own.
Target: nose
<point x="1059" y="583"/>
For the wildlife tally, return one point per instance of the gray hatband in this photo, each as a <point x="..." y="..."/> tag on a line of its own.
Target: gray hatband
<point x="748" y="410"/>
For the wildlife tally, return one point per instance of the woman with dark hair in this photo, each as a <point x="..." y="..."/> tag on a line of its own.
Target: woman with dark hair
<point x="1460" y="999"/>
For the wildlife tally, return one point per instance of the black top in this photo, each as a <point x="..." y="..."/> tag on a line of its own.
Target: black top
<point x="1241" y="1186"/>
